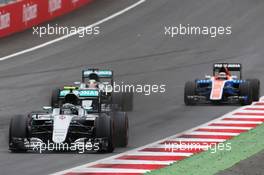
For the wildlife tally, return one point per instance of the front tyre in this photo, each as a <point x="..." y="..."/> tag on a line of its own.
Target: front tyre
<point x="55" y="101"/>
<point x="18" y="132"/>
<point x="121" y="129"/>
<point x="104" y="129"/>
<point x="189" y="90"/>
<point x="246" y="91"/>
<point x="255" y="85"/>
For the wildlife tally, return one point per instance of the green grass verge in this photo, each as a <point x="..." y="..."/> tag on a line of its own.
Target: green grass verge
<point x="208" y="163"/>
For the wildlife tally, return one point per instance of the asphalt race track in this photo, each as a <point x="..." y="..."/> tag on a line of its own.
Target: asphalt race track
<point x="134" y="45"/>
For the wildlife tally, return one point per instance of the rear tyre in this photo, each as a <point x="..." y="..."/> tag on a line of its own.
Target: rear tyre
<point x="255" y="85"/>
<point x="121" y="127"/>
<point x="104" y="129"/>
<point x="189" y="90"/>
<point x="18" y="132"/>
<point x="55" y="102"/>
<point x="246" y="91"/>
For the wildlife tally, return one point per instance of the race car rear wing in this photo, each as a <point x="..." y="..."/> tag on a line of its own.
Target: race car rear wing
<point x="88" y="73"/>
<point x="228" y="68"/>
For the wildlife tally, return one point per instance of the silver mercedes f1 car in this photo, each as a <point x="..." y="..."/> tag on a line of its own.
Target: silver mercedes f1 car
<point x="85" y="121"/>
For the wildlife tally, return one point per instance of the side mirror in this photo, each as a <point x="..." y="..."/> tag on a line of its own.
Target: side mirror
<point x="77" y="83"/>
<point x="207" y="76"/>
<point x="70" y="88"/>
<point x="47" y="108"/>
<point x="234" y="77"/>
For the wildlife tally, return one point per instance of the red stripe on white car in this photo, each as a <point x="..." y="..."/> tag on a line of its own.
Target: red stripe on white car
<point x="217" y="89"/>
<point x="172" y="149"/>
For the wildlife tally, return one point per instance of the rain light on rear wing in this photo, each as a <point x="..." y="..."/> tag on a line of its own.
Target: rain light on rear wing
<point x="100" y="73"/>
<point x="234" y="68"/>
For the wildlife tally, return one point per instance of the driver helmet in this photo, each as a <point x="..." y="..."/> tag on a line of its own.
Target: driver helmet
<point x="222" y="76"/>
<point x="69" y="109"/>
<point x="92" y="84"/>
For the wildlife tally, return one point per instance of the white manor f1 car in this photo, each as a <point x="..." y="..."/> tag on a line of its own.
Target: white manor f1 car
<point x="225" y="86"/>
<point x="90" y="123"/>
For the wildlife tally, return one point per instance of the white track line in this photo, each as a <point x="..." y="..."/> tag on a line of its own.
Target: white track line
<point x="261" y="99"/>
<point x="226" y="127"/>
<point x="195" y="140"/>
<point x="143" y="162"/>
<point x="213" y="133"/>
<point x="254" y="107"/>
<point x="248" y="116"/>
<point x="182" y="146"/>
<point x="237" y="122"/>
<point x="74" y="33"/>
<point x="251" y="112"/>
<point x="161" y="154"/>
<point x="109" y="170"/>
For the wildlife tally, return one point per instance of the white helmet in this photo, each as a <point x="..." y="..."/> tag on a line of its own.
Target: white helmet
<point x="222" y="76"/>
<point x="92" y="84"/>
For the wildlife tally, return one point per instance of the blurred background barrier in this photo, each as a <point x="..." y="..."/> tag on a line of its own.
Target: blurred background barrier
<point x="19" y="15"/>
<point x="6" y="1"/>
